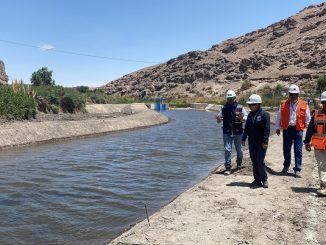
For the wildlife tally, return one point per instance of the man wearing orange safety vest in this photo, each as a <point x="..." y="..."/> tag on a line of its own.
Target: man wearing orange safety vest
<point x="293" y="117"/>
<point x="316" y="133"/>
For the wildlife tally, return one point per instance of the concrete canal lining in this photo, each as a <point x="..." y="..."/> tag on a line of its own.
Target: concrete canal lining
<point x="20" y="133"/>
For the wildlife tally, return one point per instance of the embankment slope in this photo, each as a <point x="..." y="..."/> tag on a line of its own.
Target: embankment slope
<point x="123" y="117"/>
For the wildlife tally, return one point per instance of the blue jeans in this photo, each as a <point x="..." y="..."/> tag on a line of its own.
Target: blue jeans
<point x="292" y="135"/>
<point x="228" y="139"/>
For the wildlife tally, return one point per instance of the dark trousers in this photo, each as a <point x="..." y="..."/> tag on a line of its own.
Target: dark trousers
<point x="257" y="156"/>
<point x="291" y="135"/>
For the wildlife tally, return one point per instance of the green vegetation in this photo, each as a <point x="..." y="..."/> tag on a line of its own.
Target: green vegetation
<point x="185" y="102"/>
<point x="273" y="96"/>
<point x="321" y="85"/>
<point x="82" y="89"/>
<point x="42" y="77"/>
<point x="245" y="85"/>
<point x="179" y="104"/>
<point x="17" y="102"/>
<point x="52" y="99"/>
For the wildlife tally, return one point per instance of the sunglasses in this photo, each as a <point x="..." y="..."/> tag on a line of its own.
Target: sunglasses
<point x="252" y="104"/>
<point x="293" y="94"/>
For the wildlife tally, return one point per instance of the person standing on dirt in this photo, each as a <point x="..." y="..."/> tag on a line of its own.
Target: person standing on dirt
<point x="293" y="117"/>
<point x="316" y="133"/>
<point x="257" y="129"/>
<point x="233" y="115"/>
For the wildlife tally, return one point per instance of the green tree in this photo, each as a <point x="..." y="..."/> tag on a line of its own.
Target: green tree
<point x="42" y="77"/>
<point x="321" y="84"/>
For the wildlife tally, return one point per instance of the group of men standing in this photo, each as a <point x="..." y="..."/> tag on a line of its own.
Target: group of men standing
<point x="292" y="118"/>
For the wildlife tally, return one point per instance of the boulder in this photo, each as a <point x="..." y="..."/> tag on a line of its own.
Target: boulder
<point x="230" y="48"/>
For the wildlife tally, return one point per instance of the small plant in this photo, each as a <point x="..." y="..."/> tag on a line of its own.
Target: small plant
<point x="321" y="84"/>
<point x="245" y="85"/>
<point x="55" y="109"/>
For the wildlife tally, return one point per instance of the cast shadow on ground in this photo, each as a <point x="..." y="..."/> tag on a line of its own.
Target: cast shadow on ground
<point x="304" y="189"/>
<point x="222" y="171"/>
<point x="239" y="183"/>
<point x="244" y="184"/>
<point x="273" y="172"/>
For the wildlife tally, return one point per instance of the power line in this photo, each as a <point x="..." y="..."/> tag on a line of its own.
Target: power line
<point x="79" y="54"/>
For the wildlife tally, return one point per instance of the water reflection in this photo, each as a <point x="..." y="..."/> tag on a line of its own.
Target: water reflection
<point x="86" y="191"/>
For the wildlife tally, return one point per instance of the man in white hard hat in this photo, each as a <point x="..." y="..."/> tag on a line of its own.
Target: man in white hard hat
<point x="257" y="129"/>
<point x="292" y="117"/>
<point x="316" y="134"/>
<point x="233" y="115"/>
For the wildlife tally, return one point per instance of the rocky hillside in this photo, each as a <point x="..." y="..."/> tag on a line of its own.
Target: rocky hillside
<point x="3" y="75"/>
<point x="289" y="51"/>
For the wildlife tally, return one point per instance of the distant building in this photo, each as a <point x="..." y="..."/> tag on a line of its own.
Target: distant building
<point x="3" y="75"/>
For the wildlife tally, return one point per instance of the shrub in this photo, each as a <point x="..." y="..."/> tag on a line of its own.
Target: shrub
<point x="67" y="104"/>
<point x="42" y="104"/>
<point x="179" y="104"/>
<point x="82" y="89"/>
<point x="245" y="85"/>
<point x="73" y="102"/>
<point x="55" y="109"/>
<point x="17" y="104"/>
<point x="321" y="85"/>
<point x="53" y="98"/>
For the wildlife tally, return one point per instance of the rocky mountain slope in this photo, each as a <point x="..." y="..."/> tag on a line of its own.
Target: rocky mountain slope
<point x="289" y="51"/>
<point x="3" y="75"/>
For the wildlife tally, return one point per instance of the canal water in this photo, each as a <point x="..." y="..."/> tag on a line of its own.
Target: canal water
<point x="87" y="191"/>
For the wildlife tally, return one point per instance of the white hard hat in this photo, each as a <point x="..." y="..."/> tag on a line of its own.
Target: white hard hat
<point x="294" y="89"/>
<point x="254" y="99"/>
<point x="230" y="94"/>
<point x="323" y="96"/>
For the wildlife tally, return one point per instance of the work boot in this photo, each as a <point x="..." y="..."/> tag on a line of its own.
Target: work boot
<point x="239" y="164"/>
<point x="321" y="192"/>
<point x="255" y="183"/>
<point x="297" y="174"/>
<point x="265" y="184"/>
<point x="227" y="171"/>
<point x="285" y="170"/>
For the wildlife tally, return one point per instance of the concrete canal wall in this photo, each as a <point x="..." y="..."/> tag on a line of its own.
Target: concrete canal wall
<point x="30" y="132"/>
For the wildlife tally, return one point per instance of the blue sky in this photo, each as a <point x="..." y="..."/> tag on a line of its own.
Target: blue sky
<point x="112" y="38"/>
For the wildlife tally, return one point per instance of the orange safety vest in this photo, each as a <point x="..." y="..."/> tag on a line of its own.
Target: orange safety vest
<point x="318" y="140"/>
<point x="301" y="114"/>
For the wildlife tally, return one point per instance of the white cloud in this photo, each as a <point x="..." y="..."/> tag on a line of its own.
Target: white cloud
<point x="46" y="47"/>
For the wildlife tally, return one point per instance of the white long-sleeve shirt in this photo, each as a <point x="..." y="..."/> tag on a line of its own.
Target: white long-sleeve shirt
<point x="293" y="116"/>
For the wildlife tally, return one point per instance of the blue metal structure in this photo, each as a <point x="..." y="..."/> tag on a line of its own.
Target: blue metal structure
<point x="163" y="104"/>
<point x="157" y="104"/>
